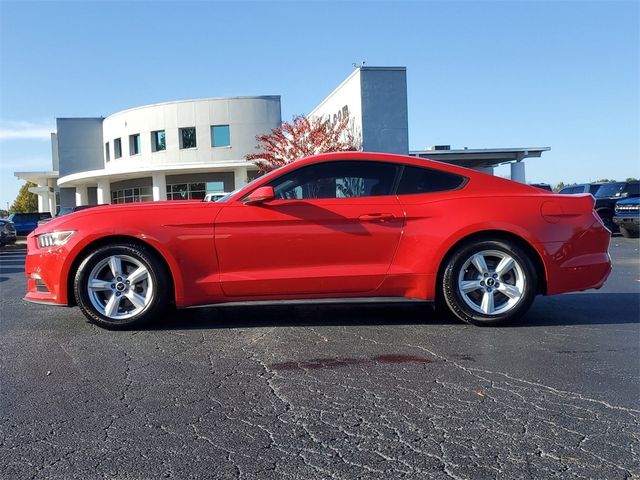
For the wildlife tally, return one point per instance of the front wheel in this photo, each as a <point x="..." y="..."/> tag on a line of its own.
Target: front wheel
<point x="121" y="286"/>
<point x="491" y="282"/>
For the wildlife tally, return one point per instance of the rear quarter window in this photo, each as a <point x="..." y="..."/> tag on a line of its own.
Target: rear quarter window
<point x="427" y="180"/>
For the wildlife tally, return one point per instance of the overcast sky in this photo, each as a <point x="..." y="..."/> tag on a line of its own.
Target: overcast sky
<point x="481" y="74"/>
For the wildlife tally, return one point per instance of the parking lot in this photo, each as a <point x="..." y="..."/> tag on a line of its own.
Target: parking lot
<point x="305" y="392"/>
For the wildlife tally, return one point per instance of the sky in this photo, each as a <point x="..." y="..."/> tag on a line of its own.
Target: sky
<point x="483" y="74"/>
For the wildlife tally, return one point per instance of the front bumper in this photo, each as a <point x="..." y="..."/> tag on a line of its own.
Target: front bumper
<point x="628" y="223"/>
<point x="46" y="270"/>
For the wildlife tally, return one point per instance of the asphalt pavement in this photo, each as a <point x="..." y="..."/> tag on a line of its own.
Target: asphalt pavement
<point x="318" y="392"/>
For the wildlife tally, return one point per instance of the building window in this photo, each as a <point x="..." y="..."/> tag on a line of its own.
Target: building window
<point x="188" y="137"/>
<point x="107" y="153"/>
<point x="220" y="136"/>
<point x="158" y="142"/>
<point x="186" y="191"/>
<point x="215" y="187"/>
<point x="117" y="148"/>
<point x="134" y="144"/>
<point x="130" y="195"/>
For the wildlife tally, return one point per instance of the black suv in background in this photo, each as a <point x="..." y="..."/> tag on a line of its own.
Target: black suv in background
<point x="591" y="188"/>
<point x="607" y="196"/>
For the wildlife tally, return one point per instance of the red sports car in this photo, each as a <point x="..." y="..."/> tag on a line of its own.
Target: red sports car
<point x="352" y="225"/>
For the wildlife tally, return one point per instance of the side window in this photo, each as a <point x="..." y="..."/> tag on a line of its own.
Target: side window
<point x="425" y="180"/>
<point x="342" y="179"/>
<point x="633" y="189"/>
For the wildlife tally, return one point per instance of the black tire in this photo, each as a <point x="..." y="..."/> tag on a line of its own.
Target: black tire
<point x="607" y="218"/>
<point x="452" y="297"/>
<point x="155" y="286"/>
<point x="628" y="233"/>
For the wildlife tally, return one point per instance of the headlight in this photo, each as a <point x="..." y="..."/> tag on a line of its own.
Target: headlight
<point x="54" y="239"/>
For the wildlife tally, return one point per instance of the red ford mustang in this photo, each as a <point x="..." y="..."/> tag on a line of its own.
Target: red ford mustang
<point x="346" y="225"/>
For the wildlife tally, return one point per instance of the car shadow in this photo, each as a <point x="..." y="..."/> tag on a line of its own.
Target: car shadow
<point x="561" y="310"/>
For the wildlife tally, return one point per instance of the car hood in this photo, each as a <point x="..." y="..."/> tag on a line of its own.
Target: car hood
<point x="629" y="201"/>
<point x="114" y="214"/>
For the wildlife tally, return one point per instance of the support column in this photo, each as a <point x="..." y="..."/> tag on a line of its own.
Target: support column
<point x="239" y="177"/>
<point x="159" y="188"/>
<point x="103" y="192"/>
<point x="52" y="204"/>
<point x="43" y="203"/>
<point x="517" y="172"/>
<point x="82" y="197"/>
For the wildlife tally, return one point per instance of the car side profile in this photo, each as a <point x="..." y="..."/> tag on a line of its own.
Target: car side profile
<point x="351" y="225"/>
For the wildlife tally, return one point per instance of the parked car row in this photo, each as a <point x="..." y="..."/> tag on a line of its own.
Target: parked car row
<point x="25" y="223"/>
<point x="623" y="219"/>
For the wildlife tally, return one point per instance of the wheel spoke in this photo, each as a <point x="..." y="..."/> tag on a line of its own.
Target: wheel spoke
<point x="111" y="308"/>
<point x="487" y="302"/>
<point x="99" y="285"/>
<point x="504" y="266"/>
<point x="480" y="263"/>
<point x="138" y="300"/>
<point x="138" y="275"/>
<point x="468" y="286"/>
<point x="115" y="264"/>
<point x="510" y="291"/>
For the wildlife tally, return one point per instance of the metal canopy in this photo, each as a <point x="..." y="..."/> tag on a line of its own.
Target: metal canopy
<point x="481" y="157"/>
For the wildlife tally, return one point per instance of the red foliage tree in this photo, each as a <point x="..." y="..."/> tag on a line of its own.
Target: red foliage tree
<point x="302" y="138"/>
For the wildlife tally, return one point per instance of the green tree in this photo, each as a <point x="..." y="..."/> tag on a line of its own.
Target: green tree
<point x="25" y="202"/>
<point x="632" y="179"/>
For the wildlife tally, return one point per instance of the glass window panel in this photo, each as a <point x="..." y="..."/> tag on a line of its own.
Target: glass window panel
<point x="425" y="180"/>
<point x="188" y="137"/>
<point x="158" y="142"/>
<point x="220" y="136"/>
<point x="117" y="148"/>
<point x="215" y="187"/>
<point x="337" y="180"/>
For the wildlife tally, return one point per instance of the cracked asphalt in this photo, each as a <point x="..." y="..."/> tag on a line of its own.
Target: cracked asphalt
<point x="318" y="392"/>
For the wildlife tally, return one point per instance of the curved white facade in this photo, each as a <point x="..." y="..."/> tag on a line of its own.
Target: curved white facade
<point x="147" y="150"/>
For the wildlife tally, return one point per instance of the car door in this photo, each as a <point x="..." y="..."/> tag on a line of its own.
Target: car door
<point x="332" y="229"/>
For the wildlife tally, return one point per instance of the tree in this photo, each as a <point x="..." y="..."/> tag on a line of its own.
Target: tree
<point x="25" y="202"/>
<point x="559" y="187"/>
<point x="302" y="138"/>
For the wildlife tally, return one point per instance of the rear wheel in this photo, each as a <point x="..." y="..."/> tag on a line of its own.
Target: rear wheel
<point x="121" y="286"/>
<point x="491" y="282"/>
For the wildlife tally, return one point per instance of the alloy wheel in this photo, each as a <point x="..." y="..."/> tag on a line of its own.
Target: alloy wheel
<point x="491" y="282"/>
<point x="120" y="287"/>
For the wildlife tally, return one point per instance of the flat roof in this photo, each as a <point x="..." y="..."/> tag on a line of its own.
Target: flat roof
<point x="481" y="157"/>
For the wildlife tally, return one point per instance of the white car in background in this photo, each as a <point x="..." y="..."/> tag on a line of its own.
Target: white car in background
<point x="214" y="197"/>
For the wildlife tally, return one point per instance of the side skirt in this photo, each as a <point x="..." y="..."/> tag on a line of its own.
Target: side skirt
<point x="314" y="301"/>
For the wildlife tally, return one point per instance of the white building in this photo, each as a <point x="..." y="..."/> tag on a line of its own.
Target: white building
<point x="185" y="149"/>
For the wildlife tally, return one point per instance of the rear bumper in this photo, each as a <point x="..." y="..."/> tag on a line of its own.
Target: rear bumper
<point x="582" y="263"/>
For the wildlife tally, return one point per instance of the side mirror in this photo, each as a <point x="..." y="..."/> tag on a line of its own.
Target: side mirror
<point x="260" y="195"/>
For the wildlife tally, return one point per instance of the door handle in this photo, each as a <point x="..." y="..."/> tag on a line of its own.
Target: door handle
<point x="376" y="217"/>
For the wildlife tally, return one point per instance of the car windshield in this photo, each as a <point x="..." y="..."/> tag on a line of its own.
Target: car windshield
<point x="610" y="190"/>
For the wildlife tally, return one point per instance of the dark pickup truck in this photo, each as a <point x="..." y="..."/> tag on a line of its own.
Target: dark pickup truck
<point x="628" y="217"/>
<point x="607" y="196"/>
